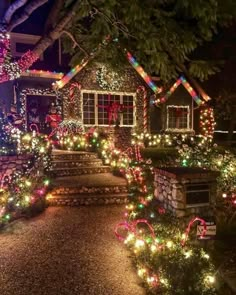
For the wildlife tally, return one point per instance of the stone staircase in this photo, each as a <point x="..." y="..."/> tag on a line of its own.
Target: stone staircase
<point x="82" y="179"/>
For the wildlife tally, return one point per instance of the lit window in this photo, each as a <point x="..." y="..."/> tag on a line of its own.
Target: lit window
<point x="178" y="117"/>
<point x="108" y="109"/>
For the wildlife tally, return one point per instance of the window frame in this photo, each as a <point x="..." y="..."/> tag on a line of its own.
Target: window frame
<point x="187" y="107"/>
<point x="96" y="93"/>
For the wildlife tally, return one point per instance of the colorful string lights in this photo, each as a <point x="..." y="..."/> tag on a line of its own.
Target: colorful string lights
<point x="142" y="73"/>
<point x="187" y="86"/>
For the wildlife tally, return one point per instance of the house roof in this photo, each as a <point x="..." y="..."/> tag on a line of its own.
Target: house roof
<point x="198" y="98"/>
<point x="139" y="69"/>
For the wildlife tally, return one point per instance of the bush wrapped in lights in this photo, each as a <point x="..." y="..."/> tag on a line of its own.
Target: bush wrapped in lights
<point x="166" y="259"/>
<point x="8" y="146"/>
<point x="22" y="193"/>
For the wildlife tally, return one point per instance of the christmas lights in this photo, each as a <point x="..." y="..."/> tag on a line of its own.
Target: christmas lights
<point x="40" y="92"/>
<point x="187" y="86"/>
<point x="142" y="73"/>
<point x="108" y="79"/>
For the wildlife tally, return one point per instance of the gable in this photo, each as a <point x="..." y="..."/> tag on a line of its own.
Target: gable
<point x="97" y="76"/>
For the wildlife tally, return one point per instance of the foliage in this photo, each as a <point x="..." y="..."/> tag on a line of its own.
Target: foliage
<point x="7" y="144"/>
<point x="224" y="103"/>
<point x="165" y="264"/>
<point x="24" y="190"/>
<point x="161" y="34"/>
<point x="202" y="152"/>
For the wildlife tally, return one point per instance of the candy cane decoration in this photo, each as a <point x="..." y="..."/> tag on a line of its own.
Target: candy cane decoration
<point x="36" y="128"/>
<point x="189" y="227"/>
<point x="73" y="88"/>
<point x="132" y="227"/>
<point x="124" y="224"/>
<point x="145" y="107"/>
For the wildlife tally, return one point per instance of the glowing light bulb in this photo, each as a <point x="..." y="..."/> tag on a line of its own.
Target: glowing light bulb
<point x="139" y="243"/>
<point x="169" y="244"/>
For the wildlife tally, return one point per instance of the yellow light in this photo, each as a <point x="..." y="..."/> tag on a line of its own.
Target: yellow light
<point x="42" y="149"/>
<point x="49" y="196"/>
<point x="28" y="183"/>
<point x="141" y="272"/>
<point x="150" y="279"/>
<point x="139" y="243"/>
<point x="27" y="198"/>
<point x="169" y="244"/>
<point x="206" y="256"/>
<point x="210" y="279"/>
<point x="129" y="238"/>
<point x="153" y="248"/>
<point x="188" y="254"/>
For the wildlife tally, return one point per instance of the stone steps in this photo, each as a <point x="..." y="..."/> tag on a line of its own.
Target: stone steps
<point x="82" y="190"/>
<point x="68" y="163"/>
<point x="58" y="155"/>
<point x="80" y="170"/>
<point x="77" y="200"/>
<point x="74" y="186"/>
<point x="76" y="163"/>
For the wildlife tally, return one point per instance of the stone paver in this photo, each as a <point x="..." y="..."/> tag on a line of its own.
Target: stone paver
<point x="67" y="251"/>
<point x="99" y="179"/>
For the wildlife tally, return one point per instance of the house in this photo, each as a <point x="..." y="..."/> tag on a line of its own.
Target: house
<point x="129" y="101"/>
<point x="31" y="95"/>
<point x="92" y="94"/>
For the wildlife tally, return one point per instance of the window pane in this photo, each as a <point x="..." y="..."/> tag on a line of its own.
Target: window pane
<point x="128" y="110"/>
<point x="178" y="117"/>
<point x="88" y="108"/>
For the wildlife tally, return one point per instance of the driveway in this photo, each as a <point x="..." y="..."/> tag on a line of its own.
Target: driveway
<point x="67" y="251"/>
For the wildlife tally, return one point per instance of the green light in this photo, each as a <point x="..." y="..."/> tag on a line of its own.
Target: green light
<point x="46" y="182"/>
<point x="140" y="206"/>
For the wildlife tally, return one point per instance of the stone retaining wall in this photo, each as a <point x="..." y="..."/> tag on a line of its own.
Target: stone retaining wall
<point x="8" y="164"/>
<point x="171" y="185"/>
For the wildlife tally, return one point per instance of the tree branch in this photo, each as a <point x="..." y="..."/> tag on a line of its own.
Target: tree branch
<point x="116" y="23"/>
<point x="29" y="9"/>
<point x="12" y="9"/>
<point x="75" y="42"/>
<point x="14" y="69"/>
<point x="53" y="15"/>
<point x="55" y="33"/>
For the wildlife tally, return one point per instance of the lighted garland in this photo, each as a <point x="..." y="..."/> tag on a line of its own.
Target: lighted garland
<point x="187" y="86"/>
<point x="108" y="79"/>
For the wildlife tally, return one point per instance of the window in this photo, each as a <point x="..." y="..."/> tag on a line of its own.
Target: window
<point x="178" y="117"/>
<point x="106" y="109"/>
<point x="197" y="194"/>
<point x="21" y="43"/>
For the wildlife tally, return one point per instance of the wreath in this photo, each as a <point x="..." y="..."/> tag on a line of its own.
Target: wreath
<point x="108" y="79"/>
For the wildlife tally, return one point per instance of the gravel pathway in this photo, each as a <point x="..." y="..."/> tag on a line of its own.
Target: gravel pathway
<point x="67" y="251"/>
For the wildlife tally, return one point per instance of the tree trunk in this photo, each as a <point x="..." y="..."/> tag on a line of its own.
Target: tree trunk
<point x="28" y="10"/>
<point x="12" y="9"/>
<point x="46" y="41"/>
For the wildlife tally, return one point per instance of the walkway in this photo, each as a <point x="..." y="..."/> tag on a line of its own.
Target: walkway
<point x="67" y="251"/>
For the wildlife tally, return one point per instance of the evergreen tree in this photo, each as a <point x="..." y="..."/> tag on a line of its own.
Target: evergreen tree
<point x="7" y="145"/>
